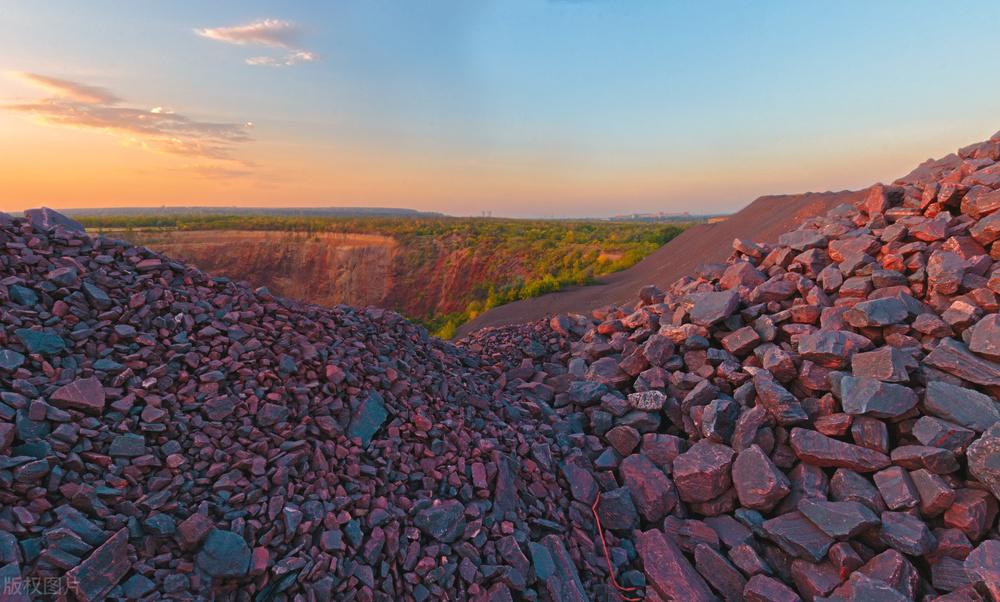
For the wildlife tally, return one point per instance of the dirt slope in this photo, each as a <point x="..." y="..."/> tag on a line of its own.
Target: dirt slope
<point x="762" y="220"/>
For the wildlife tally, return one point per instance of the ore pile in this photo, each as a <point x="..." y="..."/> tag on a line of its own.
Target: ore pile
<point x="817" y="419"/>
<point x="167" y="435"/>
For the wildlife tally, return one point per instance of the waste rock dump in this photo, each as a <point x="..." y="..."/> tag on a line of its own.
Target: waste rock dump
<point x="817" y="419"/>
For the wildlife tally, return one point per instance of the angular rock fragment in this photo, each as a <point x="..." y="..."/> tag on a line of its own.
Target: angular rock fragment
<point x="984" y="459"/>
<point x="779" y="402"/>
<point x="982" y="566"/>
<point x="839" y="520"/>
<point x="985" y="337"/>
<point x="864" y="395"/>
<point x="761" y="588"/>
<point x="820" y="450"/>
<point x="367" y="419"/>
<point x="831" y="348"/>
<point x="709" y="308"/>
<point x="667" y="570"/>
<point x="703" y="471"/>
<point x="650" y="489"/>
<point x="896" y="488"/>
<point x="719" y="573"/>
<point x="973" y="512"/>
<point x="934" y="459"/>
<point x="966" y="407"/>
<point x="798" y="536"/>
<point x="102" y="569"/>
<point x="224" y="555"/>
<point x="934" y="432"/>
<point x="85" y="394"/>
<point x="906" y="533"/>
<point x="935" y="494"/>
<point x="886" y="364"/>
<point x="444" y="521"/>
<point x="955" y="358"/>
<point x="759" y="483"/>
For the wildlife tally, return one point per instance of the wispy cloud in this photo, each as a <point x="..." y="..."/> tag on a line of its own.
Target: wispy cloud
<point x="73" y="104"/>
<point x="299" y="56"/>
<point x="273" y="33"/>
<point x="66" y="89"/>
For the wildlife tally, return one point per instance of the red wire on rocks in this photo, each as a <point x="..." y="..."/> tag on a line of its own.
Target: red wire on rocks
<point x="607" y="556"/>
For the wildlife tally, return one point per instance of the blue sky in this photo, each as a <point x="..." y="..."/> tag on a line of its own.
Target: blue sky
<point x="515" y="107"/>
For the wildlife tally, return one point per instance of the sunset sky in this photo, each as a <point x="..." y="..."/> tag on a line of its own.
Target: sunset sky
<point x="521" y="108"/>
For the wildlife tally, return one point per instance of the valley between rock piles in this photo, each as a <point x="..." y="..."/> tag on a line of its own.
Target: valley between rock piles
<point x="816" y="419"/>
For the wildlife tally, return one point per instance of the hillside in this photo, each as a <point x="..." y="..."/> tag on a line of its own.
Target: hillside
<point x="817" y="418"/>
<point x="762" y="220"/>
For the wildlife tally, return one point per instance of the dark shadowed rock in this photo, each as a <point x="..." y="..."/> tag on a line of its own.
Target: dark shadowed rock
<point x="906" y="533"/>
<point x="955" y="358"/>
<point x="864" y="395"/>
<point x="367" y="419"/>
<point x="798" y="536"/>
<point x="961" y="405"/>
<point x="47" y="219"/>
<point x="831" y="348"/>
<point x="103" y="568"/>
<point x="443" y="520"/>
<point x="224" y="555"/>
<point x="38" y="341"/>
<point x="839" y="520"/>
<point x="616" y="509"/>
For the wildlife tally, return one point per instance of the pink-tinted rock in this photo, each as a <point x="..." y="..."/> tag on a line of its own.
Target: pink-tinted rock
<point x="982" y="566"/>
<point x="667" y="570"/>
<point x="798" y="536"/>
<point x="831" y="348"/>
<point x="651" y="489"/>
<point x="761" y="588"/>
<point x="703" y="471"/>
<point x="839" y="520"/>
<point x="85" y="394"/>
<point x="820" y="450"/>
<point x="759" y="483"/>
<point x="103" y="568"/>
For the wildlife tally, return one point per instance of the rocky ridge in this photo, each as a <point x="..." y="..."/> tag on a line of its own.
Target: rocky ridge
<point x="815" y="419"/>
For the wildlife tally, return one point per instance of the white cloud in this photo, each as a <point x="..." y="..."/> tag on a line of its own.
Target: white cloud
<point x="73" y="104"/>
<point x="273" y="33"/>
<point x="300" y="56"/>
<point x="266" y="32"/>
